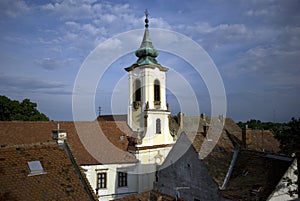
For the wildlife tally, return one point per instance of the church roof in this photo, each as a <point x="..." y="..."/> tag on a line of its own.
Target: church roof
<point x="19" y="132"/>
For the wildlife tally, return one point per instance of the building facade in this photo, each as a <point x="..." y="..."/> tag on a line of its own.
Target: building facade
<point x="148" y="112"/>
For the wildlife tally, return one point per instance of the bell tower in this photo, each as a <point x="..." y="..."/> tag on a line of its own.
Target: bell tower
<point x="148" y="112"/>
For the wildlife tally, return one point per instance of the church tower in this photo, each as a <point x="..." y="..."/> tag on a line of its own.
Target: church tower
<point x="148" y="112"/>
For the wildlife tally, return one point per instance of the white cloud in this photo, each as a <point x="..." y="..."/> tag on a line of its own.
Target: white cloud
<point x="212" y="37"/>
<point x="52" y="64"/>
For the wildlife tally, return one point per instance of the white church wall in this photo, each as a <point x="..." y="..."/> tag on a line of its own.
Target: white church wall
<point x="112" y="190"/>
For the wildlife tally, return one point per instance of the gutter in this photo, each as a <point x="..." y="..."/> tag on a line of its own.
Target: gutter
<point x="232" y="163"/>
<point x="83" y="179"/>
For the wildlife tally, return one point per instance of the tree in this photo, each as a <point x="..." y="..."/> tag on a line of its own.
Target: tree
<point x="289" y="137"/>
<point x="11" y="110"/>
<point x="257" y="124"/>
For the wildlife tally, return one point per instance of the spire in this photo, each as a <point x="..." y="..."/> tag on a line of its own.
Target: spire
<point x="146" y="53"/>
<point x="146" y="20"/>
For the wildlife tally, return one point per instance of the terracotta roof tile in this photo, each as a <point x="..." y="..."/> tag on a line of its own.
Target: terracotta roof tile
<point x="60" y="182"/>
<point x="255" y="175"/>
<point x="261" y="140"/>
<point x="98" y="145"/>
<point x="148" y="196"/>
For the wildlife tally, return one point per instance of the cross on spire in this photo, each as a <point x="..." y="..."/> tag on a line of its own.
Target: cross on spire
<point x="146" y="20"/>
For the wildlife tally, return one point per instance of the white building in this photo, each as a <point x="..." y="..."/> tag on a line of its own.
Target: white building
<point x="149" y="137"/>
<point x="148" y="112"/>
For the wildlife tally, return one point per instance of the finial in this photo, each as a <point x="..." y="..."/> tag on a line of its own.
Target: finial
<point x="146" y="20"/>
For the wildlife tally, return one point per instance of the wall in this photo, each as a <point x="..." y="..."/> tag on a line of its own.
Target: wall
<point x="187" y="176"/>
<point x="281" y="191"/>
<point x="112" y="191"/>
<point x="149" y="160"/>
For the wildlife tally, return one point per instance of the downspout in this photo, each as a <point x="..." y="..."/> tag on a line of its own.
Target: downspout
<point x="232" y="163"/>
<point x="84" y="181"/>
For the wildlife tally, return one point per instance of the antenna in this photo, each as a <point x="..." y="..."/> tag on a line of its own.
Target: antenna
<point x="99" y="110"/>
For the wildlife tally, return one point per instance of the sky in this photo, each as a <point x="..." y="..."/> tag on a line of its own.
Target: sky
<point x="255" y="46"/>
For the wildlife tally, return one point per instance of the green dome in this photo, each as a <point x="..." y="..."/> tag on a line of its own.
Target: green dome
<point x="146" y="53"/>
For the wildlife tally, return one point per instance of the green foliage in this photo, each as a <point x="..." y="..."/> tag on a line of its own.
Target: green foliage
<point x="257" y="124"/>
<point x="12" y="110"/>
<point x="289" y="137"/>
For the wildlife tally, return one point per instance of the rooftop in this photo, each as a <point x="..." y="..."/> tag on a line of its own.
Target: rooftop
<point x="255" y="175"/>
<point x="59" y="181"/>
<point x="110" y="138"/>
<point x="148" y="196"/>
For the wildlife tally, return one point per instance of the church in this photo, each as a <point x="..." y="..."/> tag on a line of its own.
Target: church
<point x="147" y="125"/>
<point x="137" y="153"/>
<point x="129" y="148"/>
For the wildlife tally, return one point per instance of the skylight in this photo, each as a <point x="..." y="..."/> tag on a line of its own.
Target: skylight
<point x="35" y="168"/>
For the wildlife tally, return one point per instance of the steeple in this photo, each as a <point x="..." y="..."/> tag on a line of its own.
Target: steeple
<point x="146" y="53"/>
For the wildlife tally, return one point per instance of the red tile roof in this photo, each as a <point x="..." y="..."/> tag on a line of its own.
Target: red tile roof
<point x="255" y="175"/>
<point x="60" y="182"/>
<point x="148" y="196"/>
<point x="89" y="144"/>
<point x="261" y="140"/>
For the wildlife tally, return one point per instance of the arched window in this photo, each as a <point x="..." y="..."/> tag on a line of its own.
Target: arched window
<point x="158" y="126"/>
<point x="137" y="93"/>
<point x="157" y="91"/>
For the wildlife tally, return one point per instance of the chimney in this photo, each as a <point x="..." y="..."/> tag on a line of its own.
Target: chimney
<point x="59" y="135"/>
<point x="244" y="136"/>
<point x="180" y="120"/>
<point x="221" y="118"/>
<point x="205" y="129"/>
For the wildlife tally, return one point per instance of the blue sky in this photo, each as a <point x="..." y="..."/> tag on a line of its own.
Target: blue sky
<point x="254" y="44"/>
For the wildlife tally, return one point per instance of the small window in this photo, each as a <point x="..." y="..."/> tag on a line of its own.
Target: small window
<point x="102" y="180"/>
<point x="35" y="168"/>
<point x="158" y="126"/>
<point x="156" y="91"/>
<point x="138" y="92"/>
<point x="122" y="179"/>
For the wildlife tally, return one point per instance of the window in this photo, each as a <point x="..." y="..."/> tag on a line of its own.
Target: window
<point x="156" y="92"/>
<point x="158" y="126"/>
<point x="122" y="179"/>
<point x="138" y="94"/>
<point x="35" y="168"/>
<point x="102" y="179"/>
